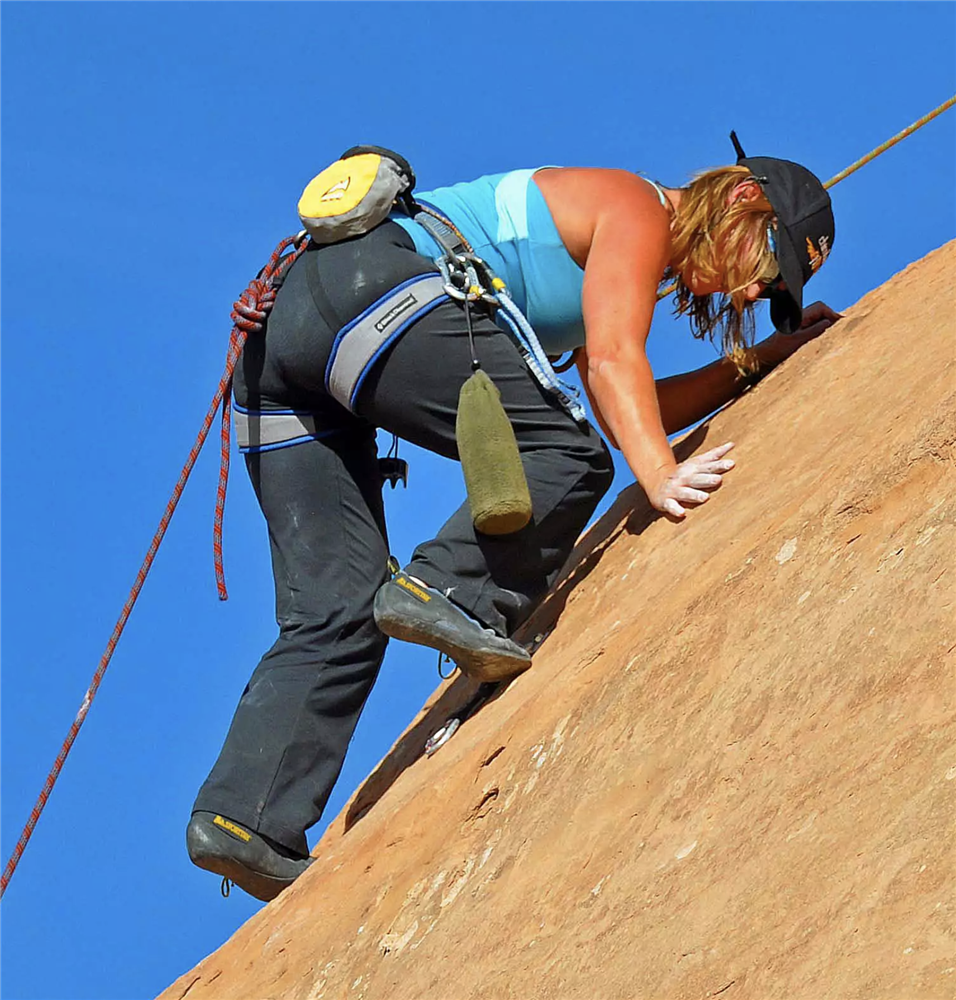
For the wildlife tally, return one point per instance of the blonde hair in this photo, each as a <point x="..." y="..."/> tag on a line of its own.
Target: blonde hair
<point x="726" y="241"/>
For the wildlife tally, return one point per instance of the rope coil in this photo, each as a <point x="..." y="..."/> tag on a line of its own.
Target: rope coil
<point x="256" y="293"/>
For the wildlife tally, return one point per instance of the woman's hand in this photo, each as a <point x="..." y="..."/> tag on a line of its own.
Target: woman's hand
<point x="691" y="482"/>
<point x="817" y="311"/>
<point x="779" y="346"/>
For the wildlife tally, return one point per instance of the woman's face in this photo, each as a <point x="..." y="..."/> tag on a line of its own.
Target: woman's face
<point x="720" y="283"/>
<point x="700" y="285"/>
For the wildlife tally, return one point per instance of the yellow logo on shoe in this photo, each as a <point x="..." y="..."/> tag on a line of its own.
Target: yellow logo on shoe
<point x="232" y="828"/>
<point x="422" y="595"/>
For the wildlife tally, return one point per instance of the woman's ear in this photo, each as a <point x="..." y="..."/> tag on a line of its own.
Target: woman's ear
<point x="748" y="190"/>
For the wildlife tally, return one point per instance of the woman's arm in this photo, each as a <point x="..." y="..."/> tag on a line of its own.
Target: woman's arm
<point x="613" y="223"/>
<point x="685" y="399"/>
<point x="581" y="363"/>
<point x="627" y="253"/>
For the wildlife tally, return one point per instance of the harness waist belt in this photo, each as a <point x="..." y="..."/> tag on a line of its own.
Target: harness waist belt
<point x="358" y="344"/>
<point x="264" y="430"/>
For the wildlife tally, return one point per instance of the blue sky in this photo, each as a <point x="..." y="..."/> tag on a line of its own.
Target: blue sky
<point x="152" y="156"/>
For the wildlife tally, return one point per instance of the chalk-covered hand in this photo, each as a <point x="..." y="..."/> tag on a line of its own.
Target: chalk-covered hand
<point x="691" y="482"/>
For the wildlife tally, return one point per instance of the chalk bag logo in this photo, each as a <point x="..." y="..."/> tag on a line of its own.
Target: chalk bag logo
<point x="337" y="191"/>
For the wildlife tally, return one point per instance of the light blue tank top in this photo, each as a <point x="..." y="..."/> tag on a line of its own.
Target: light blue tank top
<point x="506" y="220"/>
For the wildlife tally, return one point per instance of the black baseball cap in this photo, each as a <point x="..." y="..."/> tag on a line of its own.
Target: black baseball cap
<point x="804" y="233"/>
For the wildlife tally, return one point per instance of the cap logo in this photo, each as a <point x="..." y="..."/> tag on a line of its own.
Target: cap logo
<point x="818" y="257"/>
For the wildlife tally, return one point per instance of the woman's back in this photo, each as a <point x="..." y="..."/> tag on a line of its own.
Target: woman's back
<point x="506" y="220"/>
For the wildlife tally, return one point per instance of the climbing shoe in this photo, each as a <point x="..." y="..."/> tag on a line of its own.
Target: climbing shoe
<point x="407" y="609"/>
<point x="256" y="864"/>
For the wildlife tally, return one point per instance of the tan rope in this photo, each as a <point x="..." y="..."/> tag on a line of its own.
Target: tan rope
<point x="899" y="137"/>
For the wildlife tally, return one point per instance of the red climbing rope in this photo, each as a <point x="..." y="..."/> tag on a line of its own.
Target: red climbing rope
<point x="258" y="292"/>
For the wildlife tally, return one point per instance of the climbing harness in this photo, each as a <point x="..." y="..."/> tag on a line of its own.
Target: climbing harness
<point x="462" y="276"/>
<point x="347" y="199"/>
<point x="354" y="195"/>
<point x="469" y="279"/>
<point x="265" y="430"/>
<point x="359" y="344"/>
<point x="498" y="494"/>
<point x="259" y="292"/>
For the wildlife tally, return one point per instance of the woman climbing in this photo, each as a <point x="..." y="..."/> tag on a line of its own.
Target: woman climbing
<point x="583" y="253"/>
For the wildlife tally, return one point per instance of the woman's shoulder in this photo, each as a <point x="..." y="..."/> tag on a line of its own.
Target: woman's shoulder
<point x="582" y="199"/>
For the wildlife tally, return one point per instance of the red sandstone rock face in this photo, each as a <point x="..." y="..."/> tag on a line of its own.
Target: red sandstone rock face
<point x="732" y="768"/>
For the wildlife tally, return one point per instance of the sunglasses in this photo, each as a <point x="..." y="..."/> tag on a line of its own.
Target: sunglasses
<point x="777" y="283"/>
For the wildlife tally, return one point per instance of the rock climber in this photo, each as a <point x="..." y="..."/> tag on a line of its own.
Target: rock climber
<point x="584" y="252"/>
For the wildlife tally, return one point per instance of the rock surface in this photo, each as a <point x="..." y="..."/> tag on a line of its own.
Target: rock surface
<point x="731" y="771"/>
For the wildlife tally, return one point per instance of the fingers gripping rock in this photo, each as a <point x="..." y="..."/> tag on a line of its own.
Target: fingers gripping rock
<point x="694" y="479"/>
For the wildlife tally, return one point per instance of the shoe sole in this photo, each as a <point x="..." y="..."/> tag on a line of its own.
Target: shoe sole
<point x="212" y="850"/>
<point x="263" y="887"/>
<point x="488" y="664"/>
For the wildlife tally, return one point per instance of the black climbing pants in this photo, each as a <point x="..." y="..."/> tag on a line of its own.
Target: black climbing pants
<point x="322" y="501"/>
